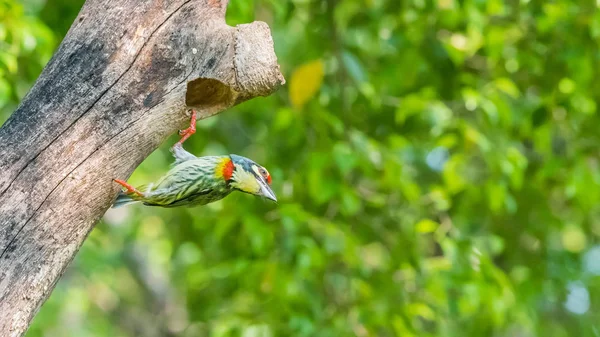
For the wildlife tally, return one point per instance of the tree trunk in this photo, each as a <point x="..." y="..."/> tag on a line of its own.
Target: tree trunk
<point x="119" y="84"/>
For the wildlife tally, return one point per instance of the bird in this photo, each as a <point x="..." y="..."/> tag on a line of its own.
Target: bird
<point x="195" y="181"/>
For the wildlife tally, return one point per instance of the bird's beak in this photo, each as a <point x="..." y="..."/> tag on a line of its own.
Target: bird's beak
<point x="265" y="190"/>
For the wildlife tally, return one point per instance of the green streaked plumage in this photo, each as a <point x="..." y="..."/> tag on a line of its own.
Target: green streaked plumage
<point x="190" y="183"/>
<point x="196" y="181"/>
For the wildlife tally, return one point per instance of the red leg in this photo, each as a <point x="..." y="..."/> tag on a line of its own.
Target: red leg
<point x="189" y="131"/>
<point x="130" y="189"/>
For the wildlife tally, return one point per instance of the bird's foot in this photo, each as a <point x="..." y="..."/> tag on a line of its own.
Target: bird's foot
<point x="130" y="189"/>
<point x="186" y="133"/>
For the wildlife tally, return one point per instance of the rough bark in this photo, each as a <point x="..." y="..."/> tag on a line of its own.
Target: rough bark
<point x="119" y="84"/>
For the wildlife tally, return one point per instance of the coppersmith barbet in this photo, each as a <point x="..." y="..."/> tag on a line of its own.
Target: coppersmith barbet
<point x="199" y="180"/>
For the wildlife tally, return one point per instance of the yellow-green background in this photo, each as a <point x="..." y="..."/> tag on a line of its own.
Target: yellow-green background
<point x="437" y="165"/>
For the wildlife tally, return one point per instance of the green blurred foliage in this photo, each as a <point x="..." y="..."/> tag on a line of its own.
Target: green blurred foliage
<point x="26" y="44"/>
<point x="437" y="168"/>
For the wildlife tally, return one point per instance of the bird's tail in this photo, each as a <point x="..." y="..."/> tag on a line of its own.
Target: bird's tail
<point x="123" y="199"/>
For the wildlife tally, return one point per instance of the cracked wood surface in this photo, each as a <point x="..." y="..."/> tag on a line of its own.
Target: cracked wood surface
<point x="119" y="84"/>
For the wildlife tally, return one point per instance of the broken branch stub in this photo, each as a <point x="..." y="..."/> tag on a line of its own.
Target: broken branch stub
<point x="114" y="90"/>
<point x="256" y="71"/>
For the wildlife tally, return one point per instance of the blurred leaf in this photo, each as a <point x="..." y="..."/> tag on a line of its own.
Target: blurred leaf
<point x="354" y="67"/>
<point x="305" y="82"/>
<point x="573" y="239"/>
<point x="257" y="331"/>
<point x="4" y="92"/>
<point x="426" y="226"/>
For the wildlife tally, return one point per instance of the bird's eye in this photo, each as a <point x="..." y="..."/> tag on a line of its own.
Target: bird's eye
<point x="265" y="175"/>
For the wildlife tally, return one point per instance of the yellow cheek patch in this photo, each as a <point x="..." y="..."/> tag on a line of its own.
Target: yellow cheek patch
<point x="245" y="182"/>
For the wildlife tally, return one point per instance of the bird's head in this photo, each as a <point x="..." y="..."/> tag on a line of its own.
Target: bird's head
<point x="249" y="177"/>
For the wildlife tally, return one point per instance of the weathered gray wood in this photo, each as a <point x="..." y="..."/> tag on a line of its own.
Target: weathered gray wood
<point x="116" y="88"/>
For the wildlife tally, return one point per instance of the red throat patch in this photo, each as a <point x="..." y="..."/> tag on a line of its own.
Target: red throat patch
<point x="228" y="169"/>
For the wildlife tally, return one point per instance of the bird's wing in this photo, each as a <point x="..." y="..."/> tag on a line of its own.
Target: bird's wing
<point x="181" y="155"/>
<point x="189" y="178"/>
<point x="190" y="199"/>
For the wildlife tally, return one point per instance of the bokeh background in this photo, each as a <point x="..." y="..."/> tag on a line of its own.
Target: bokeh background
<point x="437" y="167"/>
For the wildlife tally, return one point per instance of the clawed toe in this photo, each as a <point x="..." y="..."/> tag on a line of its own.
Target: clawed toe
<point x="186" y="133"/>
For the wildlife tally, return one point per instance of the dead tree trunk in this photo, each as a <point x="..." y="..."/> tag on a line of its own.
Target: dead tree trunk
<point x="118" y="86"/>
